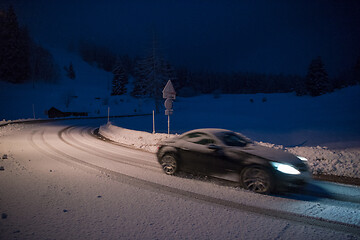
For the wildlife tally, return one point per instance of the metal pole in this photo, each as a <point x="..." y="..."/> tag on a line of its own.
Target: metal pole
<point x="169" y="124"/>
<point x="153" y="122"/>
<point x="108" y="114"/>
<point x="33" y="110"/>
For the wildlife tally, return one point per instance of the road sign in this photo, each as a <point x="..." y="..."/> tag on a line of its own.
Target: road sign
<point x="169" y="112"/>
<point x="169" y="91"/>
<point x="168" y="103"/>
<point x="170" y="94"/>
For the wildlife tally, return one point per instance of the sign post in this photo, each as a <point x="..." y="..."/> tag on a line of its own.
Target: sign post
<point x="169" y="94"/>
<point x="34" y="111"/>
<point x="153" y="122"/>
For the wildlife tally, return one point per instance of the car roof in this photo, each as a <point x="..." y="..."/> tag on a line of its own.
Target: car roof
<point x="211" y="131"/>
<point x="215" y="132"/>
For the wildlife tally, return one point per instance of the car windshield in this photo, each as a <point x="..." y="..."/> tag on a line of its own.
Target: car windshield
<point x="233" y="139"/>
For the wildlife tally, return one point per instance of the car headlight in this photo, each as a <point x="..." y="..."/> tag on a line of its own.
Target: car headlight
<point x="302" y="158"/>
<point x="285" y="168"/>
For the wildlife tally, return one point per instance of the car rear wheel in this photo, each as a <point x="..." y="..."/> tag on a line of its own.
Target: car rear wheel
<point x="257" y="179"/>
<point x="169" y="164"/>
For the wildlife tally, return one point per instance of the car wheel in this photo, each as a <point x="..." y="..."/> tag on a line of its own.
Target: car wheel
<point x="169" y="164"/>
<point x="257" y="179"/>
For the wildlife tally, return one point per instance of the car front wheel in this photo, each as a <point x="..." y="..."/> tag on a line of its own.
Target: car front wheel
<point x="169" y="164"/>
<point x="257" y="179"/>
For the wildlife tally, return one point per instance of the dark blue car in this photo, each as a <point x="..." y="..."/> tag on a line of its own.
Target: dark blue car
<point x="217" y="152"/>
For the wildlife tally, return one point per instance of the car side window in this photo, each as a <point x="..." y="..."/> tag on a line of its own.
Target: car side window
<point x="205" y="141"/>
<point x="231" y="139"/>
<point x="199" y="138"/>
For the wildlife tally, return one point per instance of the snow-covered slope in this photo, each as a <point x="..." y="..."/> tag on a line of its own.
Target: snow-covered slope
<point x="88" y="92"/>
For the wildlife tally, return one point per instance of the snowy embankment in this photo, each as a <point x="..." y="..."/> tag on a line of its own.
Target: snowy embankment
<point x="343" y="163"/>
<point x="8" y="129"/>
<point x="137" y="139"/>
<point x="6" y="122"/>
<point x="322" y="160"/>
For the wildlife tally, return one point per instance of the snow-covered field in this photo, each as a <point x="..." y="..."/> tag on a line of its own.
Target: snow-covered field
<point x="59" y="182"/>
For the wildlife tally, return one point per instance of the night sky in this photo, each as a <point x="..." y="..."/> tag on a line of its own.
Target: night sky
<point x="257" y="36"/>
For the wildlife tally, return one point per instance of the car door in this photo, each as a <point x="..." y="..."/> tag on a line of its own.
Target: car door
<point x="233" y="156"/>
<point x="196" y="154"/>
<point x="230" y="161"/>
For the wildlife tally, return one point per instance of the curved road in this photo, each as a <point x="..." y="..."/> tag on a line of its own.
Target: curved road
<point x="325" y="209"/>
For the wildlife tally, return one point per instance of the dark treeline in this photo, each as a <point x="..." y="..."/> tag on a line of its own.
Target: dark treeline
<point x="152" y="71"/>
<point x="21" y="59"/>
<point x="237" y="82"/>
<point x="96" y="55"/>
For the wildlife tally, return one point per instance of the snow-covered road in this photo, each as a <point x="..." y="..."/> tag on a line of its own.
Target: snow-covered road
<point x="61" y="182"/>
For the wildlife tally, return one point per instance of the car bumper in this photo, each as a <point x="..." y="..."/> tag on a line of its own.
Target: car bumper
<point x="288" y="181"/>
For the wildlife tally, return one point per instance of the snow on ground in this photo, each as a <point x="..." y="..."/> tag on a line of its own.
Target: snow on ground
<point x="324" y="161"/>
<point x="321" y="160"/>
<point x="8" y="129"/>
<point x="136" y="139"/>
<point x="45" y="195"/>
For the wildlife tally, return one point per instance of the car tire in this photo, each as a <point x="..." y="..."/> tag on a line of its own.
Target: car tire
<point x="257" y="179"/>
<point x="169" y="164"/>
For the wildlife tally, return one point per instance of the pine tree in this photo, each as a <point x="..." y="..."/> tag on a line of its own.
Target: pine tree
<point x="151" y="75"/>
<point x="317" y="81"/>
<point x="120" y="80"/>
<point x="14" y="49"/>
<point x="70" y="72"/>
<point x="43" y="66"/>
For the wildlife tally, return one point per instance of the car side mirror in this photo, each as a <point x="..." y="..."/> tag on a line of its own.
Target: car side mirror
<point x="214" y="147"/>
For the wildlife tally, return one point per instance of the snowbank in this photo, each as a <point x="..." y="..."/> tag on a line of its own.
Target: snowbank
<point x="344" y="163"/>
<point x="137" y="139"/>
<point x="9" y="129"/>
<point x="322" y="160"/>
<point x="6" y="122"/>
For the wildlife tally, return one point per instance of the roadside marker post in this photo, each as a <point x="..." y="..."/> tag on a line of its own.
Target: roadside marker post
<point x="153" y="122"/>
<point x="33" y="108"/>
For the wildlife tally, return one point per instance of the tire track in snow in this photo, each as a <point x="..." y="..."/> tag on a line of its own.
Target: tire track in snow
<point x="48" y="153"/>
<point x="103" y="154"/>
<point x="88" y="133"/>
<point x="123" y="151"/>
<point x="167" y="190"/>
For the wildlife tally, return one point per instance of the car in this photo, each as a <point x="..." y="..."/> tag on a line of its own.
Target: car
<point x="215" y="152"/>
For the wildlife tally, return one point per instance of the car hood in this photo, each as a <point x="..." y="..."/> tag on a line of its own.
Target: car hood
<point x="271" y="154"/>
